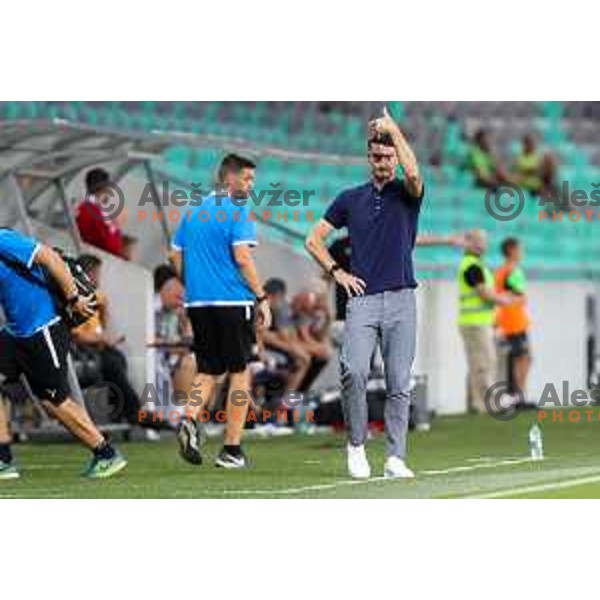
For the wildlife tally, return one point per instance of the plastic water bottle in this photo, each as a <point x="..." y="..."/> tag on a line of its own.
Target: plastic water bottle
<point x="536" y="443"/>
<point x="305" y="425"/>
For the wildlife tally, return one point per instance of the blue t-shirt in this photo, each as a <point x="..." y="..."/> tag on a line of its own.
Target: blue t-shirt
<point x="27" y="306"/>
<point x="382" y="226"/>
<point x="206" y="238"/>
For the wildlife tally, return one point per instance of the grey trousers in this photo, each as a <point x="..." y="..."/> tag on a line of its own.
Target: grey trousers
<point x="388" y="319"/>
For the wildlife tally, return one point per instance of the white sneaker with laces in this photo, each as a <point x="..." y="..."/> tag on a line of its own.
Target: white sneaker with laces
<point x="396" y="468"/>
<point x="358" y="465"/>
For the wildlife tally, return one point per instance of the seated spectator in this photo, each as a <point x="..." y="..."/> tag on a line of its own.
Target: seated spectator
<point x="92" y="337"/>
<point x="94" y="226"/>
<point x="269" y="381"/>
<point x="550" y="188"/>
<point x="484" y="163"/>
<point x="281" y="339"/>
<point x="322" y="314"/>
<point x="312" y="318"/>
<point x="527" y="168"/>
<point x="175" y="365"/>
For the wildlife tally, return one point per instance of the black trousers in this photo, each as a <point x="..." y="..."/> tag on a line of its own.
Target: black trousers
<point x="114" y="370"/>
<point x="314" y="370"/>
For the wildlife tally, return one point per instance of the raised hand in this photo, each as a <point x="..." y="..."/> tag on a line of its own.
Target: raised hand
<point x="384" y="124"/>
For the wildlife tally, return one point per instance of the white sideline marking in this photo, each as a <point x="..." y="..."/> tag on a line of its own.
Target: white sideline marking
<point x="307" y="488"/>
<point x="486" y="464"/>
<point x="347" y="482"/>
<point x="51" y="496"/>
<point x="473" y="467"/>
<point x="542" y="487"/>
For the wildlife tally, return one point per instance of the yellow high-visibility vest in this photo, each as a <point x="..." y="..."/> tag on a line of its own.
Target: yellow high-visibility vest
<point x="473" y="310"/>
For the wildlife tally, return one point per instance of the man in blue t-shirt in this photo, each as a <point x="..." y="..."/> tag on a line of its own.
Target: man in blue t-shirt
<point x="35" y="343"/>
<point x="212" y="250"/>
<point x="381" y="218"/>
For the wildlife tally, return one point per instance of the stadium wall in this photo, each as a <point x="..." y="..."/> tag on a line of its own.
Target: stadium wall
<point x="130" y="289"/>
<point x="558" y="339"/>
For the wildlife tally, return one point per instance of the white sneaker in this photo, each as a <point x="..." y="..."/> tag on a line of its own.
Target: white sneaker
<point x="396" y="468"/>
<point x="151" y="435"/>
<point x="358" y="465"/>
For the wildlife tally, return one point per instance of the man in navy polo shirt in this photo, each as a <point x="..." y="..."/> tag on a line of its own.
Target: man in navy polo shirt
<point x="381" y="218"/>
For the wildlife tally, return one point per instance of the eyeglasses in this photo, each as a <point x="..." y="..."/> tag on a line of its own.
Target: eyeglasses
<point x="378" y="157"/>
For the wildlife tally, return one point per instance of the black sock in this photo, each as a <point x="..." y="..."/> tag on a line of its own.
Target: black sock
<point x="5" y="453"/>
<point x="233" y="450"/>
<point x="105" y="451"/>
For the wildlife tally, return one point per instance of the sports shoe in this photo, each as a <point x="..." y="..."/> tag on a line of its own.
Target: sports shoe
<point x="358" y="465"/>
<point x="151" y="435"/>
<point x="273" y="430"/>
<point x="189" y="435"/>
<point x="396" y="468"/>
<point x="103" y="468"/>
<point x="8" y="471"/>
<point x="225" y="460"/>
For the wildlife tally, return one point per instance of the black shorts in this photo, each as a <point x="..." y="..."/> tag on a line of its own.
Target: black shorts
<point x="42" y="358"/>
<point x="518" y="345"/>
<point x="223" y="337"/>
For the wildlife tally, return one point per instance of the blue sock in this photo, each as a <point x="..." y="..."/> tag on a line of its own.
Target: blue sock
<point x="105" y="451"/>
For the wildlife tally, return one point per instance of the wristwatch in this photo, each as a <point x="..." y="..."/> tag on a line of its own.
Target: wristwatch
<point x="260" y="299"/>
<point x="335" y="267"/>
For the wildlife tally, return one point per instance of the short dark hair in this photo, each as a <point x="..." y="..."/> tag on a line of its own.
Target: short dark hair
<point x="234" y="163"/>
<point x="163" y="274"/>
<point x="95" y="179"/>
<point x="89" y="262"/>
<point x="509" y="244"/>
<point x="382" y="139"/>
<point x="275" y="286"/>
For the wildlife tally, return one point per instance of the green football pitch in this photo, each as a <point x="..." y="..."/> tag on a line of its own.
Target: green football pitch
<point x="461" y="457"/>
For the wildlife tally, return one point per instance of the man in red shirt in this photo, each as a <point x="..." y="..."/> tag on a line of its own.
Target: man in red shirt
<point x="95" y="227"/>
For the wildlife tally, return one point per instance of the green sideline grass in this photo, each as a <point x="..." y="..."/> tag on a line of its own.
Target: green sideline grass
<point x="460" y="457"/>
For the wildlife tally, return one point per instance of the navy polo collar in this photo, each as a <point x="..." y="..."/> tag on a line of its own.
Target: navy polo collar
<point x="387" y="185"/>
